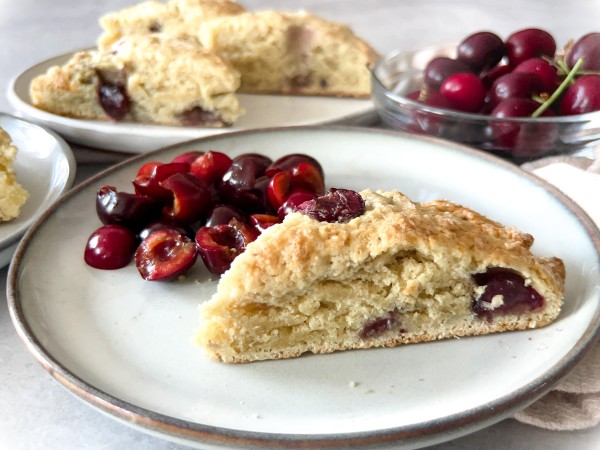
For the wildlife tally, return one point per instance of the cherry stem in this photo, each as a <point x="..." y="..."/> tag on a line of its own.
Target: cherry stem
<point x="559" y="90"/>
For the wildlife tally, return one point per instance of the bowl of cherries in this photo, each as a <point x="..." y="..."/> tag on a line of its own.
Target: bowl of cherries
<point x="519" y="98"/>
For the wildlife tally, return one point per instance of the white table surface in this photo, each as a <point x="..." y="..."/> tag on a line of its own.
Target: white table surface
<point x="36" y="412"/>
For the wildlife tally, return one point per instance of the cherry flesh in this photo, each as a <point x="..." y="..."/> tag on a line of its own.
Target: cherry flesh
<point x="164" y="255"/>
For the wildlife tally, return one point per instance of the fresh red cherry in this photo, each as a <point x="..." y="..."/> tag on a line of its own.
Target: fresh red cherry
<point x="220" y="245"/>
<point x="587" y="47"/>
<point x="481" y="51"/>
<point x="583" y="96"/>
<point x="130" y="210"/>
<point x="430" y="98"/>
<point x="542" y="69"/>
<point x="263" y="221"/>
<point x="306" y="176"/>
<point x="464" y="91"/>
<point x="279" y="188"/>
<point x="222" y="214"/>
<point x="211" y="166"/>
<point x="514" y="85"/>
<point x="440" y="68"/>
<point x="529" y="43"/>
<point x="147" y="182"/>
<point x="187" y="157"/>
<point x="164" y="255"/>
<point x="287" y="162"/>
<point x="190" y="197"/>
<point x="110" y="247"/>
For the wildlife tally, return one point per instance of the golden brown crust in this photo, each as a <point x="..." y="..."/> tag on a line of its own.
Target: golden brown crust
<point x="12" y="194"/>
<point x="309" y="286"/>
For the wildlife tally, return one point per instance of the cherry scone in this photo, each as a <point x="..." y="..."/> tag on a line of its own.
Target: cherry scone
<point x="399" y="272"/>
<point x="143" y="78"/>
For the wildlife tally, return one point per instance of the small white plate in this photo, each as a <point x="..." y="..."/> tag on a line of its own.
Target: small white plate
<point x="45" y="167"/>
<point x="261" y="111"/>
<point x="124" y="345"/>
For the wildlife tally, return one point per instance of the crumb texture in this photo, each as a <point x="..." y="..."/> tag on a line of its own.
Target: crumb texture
<point x="12" y="194"/>
<point x="400" y="273"/>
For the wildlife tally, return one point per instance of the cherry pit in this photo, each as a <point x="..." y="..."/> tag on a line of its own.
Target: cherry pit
<point x="208" y="206"/>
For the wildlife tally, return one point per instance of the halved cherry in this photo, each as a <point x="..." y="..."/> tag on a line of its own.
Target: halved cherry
<point x="263" y="221"/>
<point x="307" y="176"/>
<point x="190" y="197"/>
<point x="211" y="166"/>
<point x="130" y="210"/>
<point x="220" y="245"/>
<point x="221" y="214"/>
<point x="187" y="157"/>
<point x="287" y="162"/>
<point x="279" y="188"/>
<point x="164" y="255"/>
<point x="149" y="177"/>
<point x="294" y="200"/>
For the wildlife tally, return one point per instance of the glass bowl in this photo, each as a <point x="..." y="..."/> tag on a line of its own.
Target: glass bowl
<point x="518" y="139"/>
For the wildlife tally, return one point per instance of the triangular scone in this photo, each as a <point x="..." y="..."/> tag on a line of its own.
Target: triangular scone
<point x="154" y="79"/>
<point x="12" y="194"/>
<point x="402" y="272"/>
<point x="173" y="18"/>
<point x="291" y="53"/>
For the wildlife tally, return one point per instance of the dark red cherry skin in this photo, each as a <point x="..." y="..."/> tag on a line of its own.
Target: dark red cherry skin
<point x="583" y="96"/>
<point x="190" y="198"/>
<point x="529" y="43"/>
<point x="220" y="245"/>
<point x="464" y="91"/>
<point x="517" y="296"/>
<point x="514" y="85"/>
<point x="287" y="162"/>
<point x="506" y="134"/>
<point x="263" y="221"/>
<point x="211" y="166"/>
<point x="542" y="69"/>
<point x="222" y="214"/>
<point x="293" y="202"/>
<point x="430" y="98"/>
<point x="440" y="68"/>
<point x="244" y="185"/>
<point x="587" y="47"/>
<point x="113" y="99"/>
<point x="166" y="225"/>
<point x="481" y="51"/>
<point x="130" y="210"/>
<point x="494" y="73"/>
<point x="147" y="181"/>
<point x="188" y="157"/>
<point x="164" y="255"/>
<point x="110" y="247"/>
<point x="338" y="205"/>
<point x="306" y="176"/>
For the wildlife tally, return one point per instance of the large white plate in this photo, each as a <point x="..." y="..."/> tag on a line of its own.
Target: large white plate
<point x="44" y="166"/>
<point x="123" y="345"/>
<point x="261" y="111"/>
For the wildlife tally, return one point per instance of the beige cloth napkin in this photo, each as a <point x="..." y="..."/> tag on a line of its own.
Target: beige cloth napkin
<point x="574" y="404"/>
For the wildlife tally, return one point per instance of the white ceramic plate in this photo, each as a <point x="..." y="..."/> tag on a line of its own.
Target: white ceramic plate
<point x="45" y="167"/>
<point x="261" y="111"/>
<point x="123" y="344"/>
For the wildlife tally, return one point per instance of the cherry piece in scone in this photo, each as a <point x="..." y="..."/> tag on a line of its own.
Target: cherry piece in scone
<point x="130" y="210"/>
<point x="113" y="98"/>
<point x="110" y="247"/>
<point x="164" y="255"/>
<point x="505" y="292"/>
<point x="190" y="197"/>
<point x="293" y="202"/>
<point x="338" y="205"/>
<point x="220" y="245"/>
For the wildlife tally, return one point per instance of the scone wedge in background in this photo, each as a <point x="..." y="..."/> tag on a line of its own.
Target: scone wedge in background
<point x="151" y="79"/>
<point x="173" y="18"/>
<point x="402" y="272"/>
<point x="291" y="53"/>
<point x="12" y="195"/>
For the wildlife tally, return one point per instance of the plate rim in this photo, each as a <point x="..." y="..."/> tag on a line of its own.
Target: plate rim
<point x="22" y="106"/>
<point x="172" y="428"/>
<point x="66" y="150"/>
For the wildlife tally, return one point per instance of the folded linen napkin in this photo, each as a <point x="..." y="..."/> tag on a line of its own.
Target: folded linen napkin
<point x="574" y="404"/>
